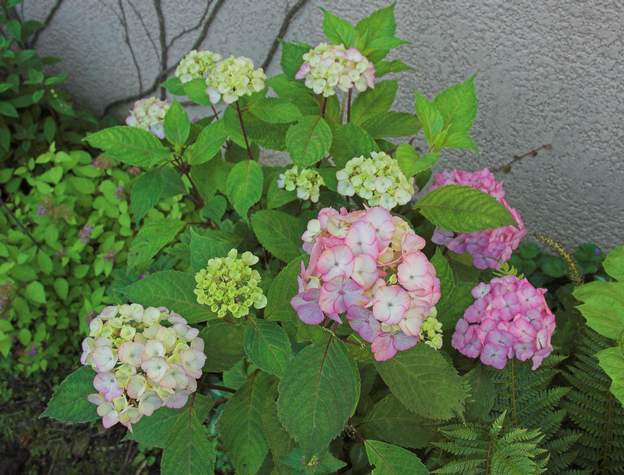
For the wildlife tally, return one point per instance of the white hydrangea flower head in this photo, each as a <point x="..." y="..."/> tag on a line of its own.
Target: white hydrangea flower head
<point x="145" y="358"/>
<point x="149" y="114"/>
<point x="307" y="183"/>
<point x="233" y="78"/>
<point x="196" y="65"/>
<point x="377" y="179"/>
<point x="328" y="67"/>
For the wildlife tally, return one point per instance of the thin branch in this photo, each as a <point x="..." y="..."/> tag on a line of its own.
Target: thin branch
<point x="290" y="15"/>
<point x="506" y="167"/>
<point x="53" y="11"/>
<point x="124" y="24"/>
<point x="193" y="28"/>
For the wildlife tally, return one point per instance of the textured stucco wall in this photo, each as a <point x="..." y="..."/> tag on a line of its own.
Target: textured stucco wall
<point x="549" y="71"/>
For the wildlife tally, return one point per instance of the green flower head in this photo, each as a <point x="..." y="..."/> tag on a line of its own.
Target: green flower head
<point x="230" y="285"/>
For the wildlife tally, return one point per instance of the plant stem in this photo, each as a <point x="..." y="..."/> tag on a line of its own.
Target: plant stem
<point x="195" y="194"/>
<point x="323" y="106"/>
<point x="349" y="96"/>
<point x="240" y="118"/>
<point x="514" y="408"/>
<point x="214" y="112"/>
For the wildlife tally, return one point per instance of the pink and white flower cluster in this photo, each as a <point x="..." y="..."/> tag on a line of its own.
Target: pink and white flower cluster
<point x="369" y="265"/>
<point x="509" y="319"/>
<point x="328" y="67"/>
<point x="488" y="248"/>
<point x="145" y="358"/>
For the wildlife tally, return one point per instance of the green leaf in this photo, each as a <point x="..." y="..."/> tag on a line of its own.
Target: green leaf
<point x="391" y="422"/>
<point x="458" y="106"/>
<point x="391" y="124"/>
<point x="211" y="177"/>
<point x="214" y="209"/>
<point x="130" y="145"/>
<point x="379" y="24"/>
<point x="279" y="233"/>
<point x="208" y="143"/>
<point x="389" y="459"/>
<point x="411" y="163"/>
<point x="386" y="43"/>
<point x="463" y="209"/>
<point x="268" y="347"/>
<point x="69" y="402"/>
<point x="386" y="67"/>
<point x="211" y="243"/>
<point x="153" y="236"/>
<point x="431" y="120"/>
<point x="195" y="90"/>
<point x="373" y="102"/>
<point x="177" y="124"/>
<point x="292" y="57"/>
<point x="35" y="293"/>
<point x="191" y="453"/>
<point x="323" y="464"/>
<point x="317" y="394"/>
<point x="603" y="307"/>
<point x="614" y="263"/>
<point x="152" y="187"/>
<point x="7" y="109"/>
<point x="244" y="186"/>
<point x="276" y="196"/>
<point x="337" y="30"/>
<point x="171" y="289"/>
<point x="283" y="288"/>
<point x="223" y="345"/>
<point x="350" y="140"/>
<point x="174" y="86"/>
<point x="612" y="361"/>
<point x="275" y="111"/>
<point x="240" y="425"/>
<point x="308" y="141"/>
<point x="412" y="374"/>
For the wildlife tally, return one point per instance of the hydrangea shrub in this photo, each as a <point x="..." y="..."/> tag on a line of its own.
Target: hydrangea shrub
<point x="317" y="302"/>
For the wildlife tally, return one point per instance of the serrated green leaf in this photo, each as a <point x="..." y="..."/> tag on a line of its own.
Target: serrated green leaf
<point x="195" y="90"/>
<point x="283" y="288"/>
<point x="268" y="347"/>
<point x="602" y="306"/>
<point x="192" y="453"/>
<point x="275" y="111"/>
<point x="430" y="118"/>
<point x="612" y="361"/>
<point x="223" y="344"/>
<point x="317" y="394"/>
<point x="463" y="209"/>
<point x="171" y="289"/>
<point x="277" y="197"/>
<point x="152" y="237"/>
<point x="373" y="102"/>
<point x="412" y="375"/>
<point x="391" y="124"/>
<point x="208" y="143"/>
<point x="69" y="402"/>
<point x="337" y="30"/>
<point x="153" y="186"/>
<point x="177" y="124"/>
<point x="614" y="263"/>
<point x="292" y="57"/>
<point x="35" y="292"/>
<point x="130" y="145"/>
<point x="377" y="25"/>
<point x="386" y="67"/>
<point x="411" y="163"/>
<point x="244" y="186"/>
<point x="458" y="106"/>
<point x="7" y="109"/>
<point x="389" y="459"/>
<point x="350" y="140"/>
<point x="279" y="233"/>
<point x="308" y="141"/>
<point x="211" y="243"/>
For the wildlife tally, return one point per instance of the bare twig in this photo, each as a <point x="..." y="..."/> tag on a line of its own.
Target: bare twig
<point x="506" y="167"/>
<point x="288" y="18"/>
<point x="53" y="11"/>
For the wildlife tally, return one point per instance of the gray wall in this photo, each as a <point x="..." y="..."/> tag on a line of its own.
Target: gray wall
<point x="549" y="72"/>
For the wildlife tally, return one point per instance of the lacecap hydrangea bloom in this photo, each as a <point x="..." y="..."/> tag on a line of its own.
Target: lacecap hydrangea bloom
<point x="149" y="114"/>
<point x="509" y="319"/>
<point x="232" y="78"/>
<point x="196" y="65"/>
<point x="488" y="248"/>
<point x="230" y="285"/>
<point x="370" y="266"/>
<point x="377" y="179"/>
<point x="307" y="183"/>
<point x="328" y="67"/>
<point x="145" y="358"/>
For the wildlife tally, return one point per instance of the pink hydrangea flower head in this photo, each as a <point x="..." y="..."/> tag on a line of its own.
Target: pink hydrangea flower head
<point x="488" y="248"/>
<point x="508" y="319"/>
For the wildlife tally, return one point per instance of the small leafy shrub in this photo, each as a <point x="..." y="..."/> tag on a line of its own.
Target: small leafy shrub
<point x="34" y="111"/>
<point x="331" y="296"/>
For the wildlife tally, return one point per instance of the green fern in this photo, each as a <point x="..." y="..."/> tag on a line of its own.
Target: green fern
<point x="532" y="401"/>
<point x="595" y="412"/>
<point x="497" y="449"/>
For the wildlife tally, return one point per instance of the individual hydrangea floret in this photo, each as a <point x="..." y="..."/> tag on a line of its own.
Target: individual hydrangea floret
<point x="233" y="78"/>
<point x="307" y="183"/>
<point x="328" y="67"/>
<point x="145" y="358"/>
<point x="509" y="319"/>
<point x="370" y="266"/>
<point x="230" y="285"/>
<point x="377" y="179"/>
<point x="196" y="65"/>
<point x="149" y="114"/>
<point x="488" y="248"/>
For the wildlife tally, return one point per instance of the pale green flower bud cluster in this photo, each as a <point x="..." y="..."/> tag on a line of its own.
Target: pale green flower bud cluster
<point x="431" y="331"/>
<point x="149" y="114"/>
<point x="307" y="183"/>
<point x="328" y="67"/>
<point x="378" y="179"/>
<point x="145" y="358"/>
<point x="233" y="78"/>
<point x="230" y="285"/>
<point x="196" y="65"/>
